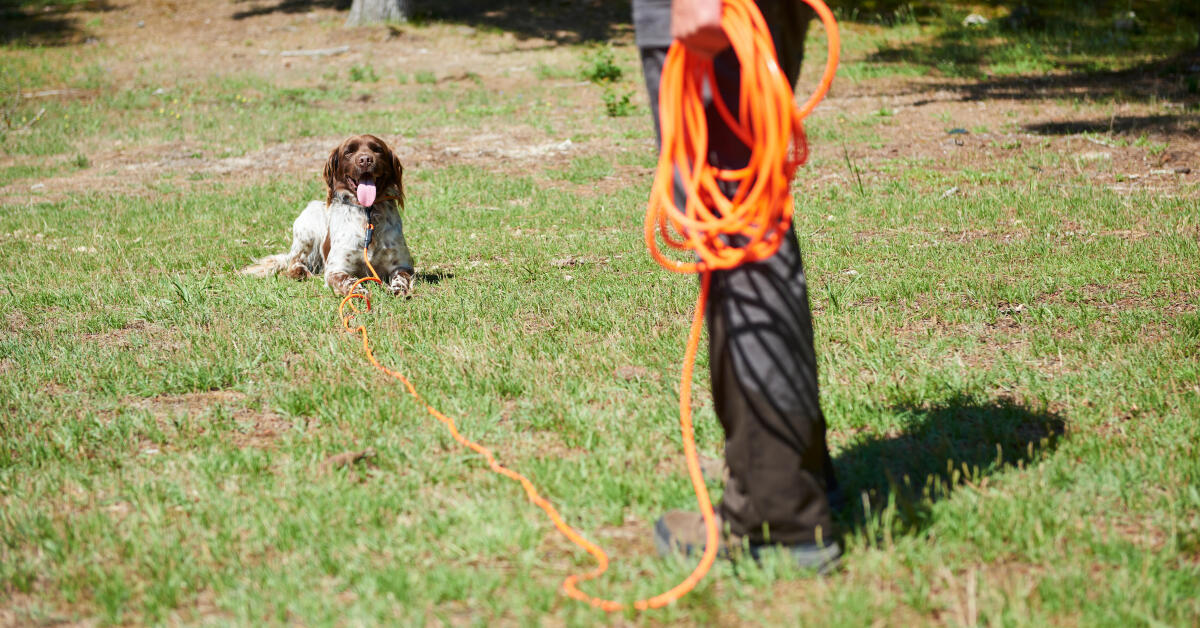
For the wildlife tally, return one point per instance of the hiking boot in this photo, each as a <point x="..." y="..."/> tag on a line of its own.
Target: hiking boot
<point x="682" y="532"/>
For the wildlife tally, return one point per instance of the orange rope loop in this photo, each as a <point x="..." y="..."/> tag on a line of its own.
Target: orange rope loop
<point x="759" y="213"/>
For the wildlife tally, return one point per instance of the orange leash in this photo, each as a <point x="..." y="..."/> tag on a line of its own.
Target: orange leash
<point x="760" y="212"/>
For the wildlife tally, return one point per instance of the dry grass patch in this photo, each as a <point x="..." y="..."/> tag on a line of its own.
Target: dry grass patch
<point x="184" y="414"/>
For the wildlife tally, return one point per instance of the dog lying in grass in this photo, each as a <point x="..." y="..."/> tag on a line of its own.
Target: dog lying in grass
<point x="329" y="236"/>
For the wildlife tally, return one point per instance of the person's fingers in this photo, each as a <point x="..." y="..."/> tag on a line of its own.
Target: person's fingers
<point x="706" y="42"/>
<point x="697" y="25"/>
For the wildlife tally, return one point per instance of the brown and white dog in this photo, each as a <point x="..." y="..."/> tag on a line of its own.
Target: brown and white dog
<point x="329" y="236"/>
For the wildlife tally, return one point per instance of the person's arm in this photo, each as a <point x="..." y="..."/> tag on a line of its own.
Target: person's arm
<point x="697" y="25"/>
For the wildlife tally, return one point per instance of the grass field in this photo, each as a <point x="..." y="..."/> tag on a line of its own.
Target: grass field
<point x="1004" y="264"/>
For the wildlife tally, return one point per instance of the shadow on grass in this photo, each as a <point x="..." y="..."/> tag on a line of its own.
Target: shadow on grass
<point x="956" y="442"/>
<point x="561" y="22"/>
<point x="1159" y="124"/>
<point x="46" y="22"/>
<point x="1048" y="50"/>
<point x="554" y="20"/>
<point x="291" y="6"/>
<point x="1173" y="77"/>
<point x="434" y="277"/>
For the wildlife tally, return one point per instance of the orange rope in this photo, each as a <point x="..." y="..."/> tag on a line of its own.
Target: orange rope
<point x="760" y="211"/>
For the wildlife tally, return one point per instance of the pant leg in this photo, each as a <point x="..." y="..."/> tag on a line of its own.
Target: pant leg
<point x="764" y="381"/>
<point x="762" y="362"/>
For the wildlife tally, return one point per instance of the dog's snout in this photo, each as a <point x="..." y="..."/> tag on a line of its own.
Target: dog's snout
<point x="366" y="161"/>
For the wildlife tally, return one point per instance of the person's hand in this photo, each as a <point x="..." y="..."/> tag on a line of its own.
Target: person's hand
<point x="697" y="25"/>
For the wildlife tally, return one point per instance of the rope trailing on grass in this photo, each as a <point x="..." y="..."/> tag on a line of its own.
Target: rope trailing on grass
<point x="758" y="214"/>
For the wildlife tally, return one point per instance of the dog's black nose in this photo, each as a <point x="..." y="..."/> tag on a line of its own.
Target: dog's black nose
<point x="366" y="161"/>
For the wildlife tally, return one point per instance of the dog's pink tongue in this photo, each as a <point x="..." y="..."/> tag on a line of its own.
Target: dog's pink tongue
<point x="366" y="194"/>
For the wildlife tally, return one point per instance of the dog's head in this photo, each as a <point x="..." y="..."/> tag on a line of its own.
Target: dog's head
<point x="366" y="162"/>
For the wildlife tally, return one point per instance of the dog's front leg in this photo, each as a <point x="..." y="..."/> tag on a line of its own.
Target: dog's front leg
<point x="344" y="248"/>
<point x="341" y="269"/>
<point x="392" y="257"/>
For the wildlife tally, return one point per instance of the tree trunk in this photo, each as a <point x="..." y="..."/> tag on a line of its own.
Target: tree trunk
<point x="373" y="11"/>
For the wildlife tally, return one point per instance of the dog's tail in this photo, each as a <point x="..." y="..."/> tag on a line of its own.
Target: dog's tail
<point x="267" y="266"/>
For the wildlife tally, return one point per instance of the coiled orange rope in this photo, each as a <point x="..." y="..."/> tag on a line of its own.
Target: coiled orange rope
<point x="761" y="209"/>
<point x="759" y="213"/>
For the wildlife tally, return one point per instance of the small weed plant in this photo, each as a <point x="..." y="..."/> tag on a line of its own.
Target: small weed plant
<point x="599" y="66"/>
<point x="617" y="103"/>
<point x="363" y="74"/>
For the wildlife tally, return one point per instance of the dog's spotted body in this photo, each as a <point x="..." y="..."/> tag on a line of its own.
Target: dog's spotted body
<point x="328" y="236"/>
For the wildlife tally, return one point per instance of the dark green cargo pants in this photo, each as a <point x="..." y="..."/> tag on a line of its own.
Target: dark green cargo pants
<point x="763" y="367"/>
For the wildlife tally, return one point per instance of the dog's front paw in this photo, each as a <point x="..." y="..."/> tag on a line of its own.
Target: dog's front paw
<point x="342" y="284"/>
<point x="401" y="284"/>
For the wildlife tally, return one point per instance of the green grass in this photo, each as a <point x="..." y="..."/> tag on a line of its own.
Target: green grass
<point x="586" y="169"/>
<point x="1009" y="373"/>
<point x="238" y="113"/>
<point x="1072" y="415"/>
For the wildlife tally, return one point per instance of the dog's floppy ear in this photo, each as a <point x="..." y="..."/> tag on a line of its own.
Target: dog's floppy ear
<point x="398" y="177"/>
<point x="333" y="168"/>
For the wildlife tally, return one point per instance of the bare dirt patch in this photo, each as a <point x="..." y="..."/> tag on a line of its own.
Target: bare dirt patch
<point x="133" y="171"/>
<point x="535" y="323"/>
<point x="259" y="430"/>
<point x="254" y="428"/>
<point x="1060" y="129"/>
<point x="118" y="338"/>
<point x="633" y="373"/>
<point x="29" y="609"/>
<point x="347" y="460"/>
<point x="962" y="595"/>
<point x="951" y="126"/>
<point x="631" y="538"/>
<point x="1122" y="297"/>
<point x="1139" y="530"/>
<point x="547" y="445"/>
<point x="15" y="320"/>
<point x="215" y="41"/>
<point x="190" y="404"/>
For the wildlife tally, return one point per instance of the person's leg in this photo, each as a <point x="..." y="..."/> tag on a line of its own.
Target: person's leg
<point x="764" y="382"/>
<point x="763" y="365"/>
<point x="762" y="361"/>
<point x="652" y="66"/>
